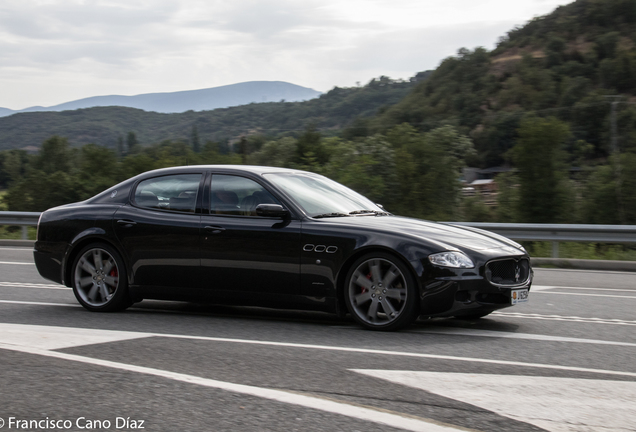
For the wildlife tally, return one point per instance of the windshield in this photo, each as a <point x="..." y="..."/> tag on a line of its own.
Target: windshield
<point x="322" y="197"/>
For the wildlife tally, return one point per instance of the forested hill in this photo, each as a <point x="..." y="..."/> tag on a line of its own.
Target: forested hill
<point x="104" y="126"/>
<point x="563" y="64"/>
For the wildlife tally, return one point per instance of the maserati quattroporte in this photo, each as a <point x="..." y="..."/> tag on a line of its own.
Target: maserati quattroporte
<point x="273" y="237"/>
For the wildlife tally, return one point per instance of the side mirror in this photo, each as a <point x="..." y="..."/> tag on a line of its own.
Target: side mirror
<point x="271" y="210"/>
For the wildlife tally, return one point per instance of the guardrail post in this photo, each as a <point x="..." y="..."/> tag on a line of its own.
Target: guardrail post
<point x="25" y="232"/>
<point x="555" y="249"/>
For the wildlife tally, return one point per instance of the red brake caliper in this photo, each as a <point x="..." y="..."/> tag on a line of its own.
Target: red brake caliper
<point x="363" y="288"/>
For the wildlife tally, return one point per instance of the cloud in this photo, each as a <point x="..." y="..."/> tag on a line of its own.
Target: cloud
<point x="53" y="51"/>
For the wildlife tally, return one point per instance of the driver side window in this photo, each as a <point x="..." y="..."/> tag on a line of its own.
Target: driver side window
<point x="234" y="195"/>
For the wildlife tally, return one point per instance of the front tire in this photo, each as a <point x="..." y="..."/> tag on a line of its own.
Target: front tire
<point x="99" y="279"/>
<point x="381" y="293"/>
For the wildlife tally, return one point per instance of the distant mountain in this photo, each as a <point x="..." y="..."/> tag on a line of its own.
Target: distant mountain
<point x="340" y="108"/>
<point x="195" y="100"/>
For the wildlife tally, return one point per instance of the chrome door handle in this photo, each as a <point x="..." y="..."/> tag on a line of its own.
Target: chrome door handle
<point x="126" y="223"/>
<point x="214" y="229"/>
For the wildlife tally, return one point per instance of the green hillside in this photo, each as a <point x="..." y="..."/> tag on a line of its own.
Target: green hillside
<point x="562" y="64"/>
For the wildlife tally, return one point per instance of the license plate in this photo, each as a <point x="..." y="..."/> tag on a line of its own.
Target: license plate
<point x="518" y="296"/>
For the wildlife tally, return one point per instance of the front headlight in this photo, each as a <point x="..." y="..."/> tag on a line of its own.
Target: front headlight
<point x="453" y="259"/>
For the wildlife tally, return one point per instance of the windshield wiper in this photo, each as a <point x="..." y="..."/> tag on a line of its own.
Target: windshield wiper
<point x="369" y="212"/>
<point x="326" y="215"/>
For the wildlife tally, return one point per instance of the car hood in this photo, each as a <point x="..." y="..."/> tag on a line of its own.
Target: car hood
<point x="447" y="236"/>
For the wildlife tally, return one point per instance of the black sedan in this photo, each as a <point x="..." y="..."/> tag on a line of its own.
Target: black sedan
<point x="273" y="237"/>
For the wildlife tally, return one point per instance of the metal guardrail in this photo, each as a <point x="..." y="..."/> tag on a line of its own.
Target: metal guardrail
<point x="23" y="219"/>
<point x="554" y="233"/>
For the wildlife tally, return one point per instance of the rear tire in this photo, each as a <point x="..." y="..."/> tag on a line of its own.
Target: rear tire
<point x="99" y="279"/>
<point x="380" y="292"/>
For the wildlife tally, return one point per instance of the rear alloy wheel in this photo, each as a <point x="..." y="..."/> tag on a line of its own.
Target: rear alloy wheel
<point x="380" y="292"/>
<point x="99" y="279"/>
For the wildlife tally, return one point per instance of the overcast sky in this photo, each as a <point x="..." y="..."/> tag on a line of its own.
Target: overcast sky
<point x="54" y="51"/>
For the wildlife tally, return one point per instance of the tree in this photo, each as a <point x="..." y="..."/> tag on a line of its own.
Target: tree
<point x="279" y="153"/>
<point x="55" y="155"/>
<point x="428" y="171"/>
<point x="120" y="146"/>
<point x="366" y="166"/>
<point x="600" y="203"/>
<point x="544" y="192"/>
<point x="98" y="169"/>
<point x="507" y="198"/>
<point x="132" y="143"/>
<point x="13" y="165"/>
<point x="194" y="139"/>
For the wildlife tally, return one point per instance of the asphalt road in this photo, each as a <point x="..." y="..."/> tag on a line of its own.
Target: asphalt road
<point x="564" y="361"/>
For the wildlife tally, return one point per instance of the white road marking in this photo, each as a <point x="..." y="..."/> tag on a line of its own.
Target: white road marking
<point x="536" y="288"/>
<point x="554" y="404"/>
<point x="16" y="263"/>
<point x="541" y="269"/>
<point x="610" y="321"/>
<point x="588" y="295"/>
<point x="395" y="420"/>
<point x="53" y="338"/>
<point x="527" y="336"/>
<point x="33" y="285"/>
<point x="9" y="248"/>
<point x="546" y="289"/>
<point x="348" y="349"/>
<point x="549" y="287"/>
<point x="39" y="303"/>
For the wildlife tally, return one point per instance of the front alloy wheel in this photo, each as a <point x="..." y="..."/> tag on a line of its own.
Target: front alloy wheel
<point x="99" y="279"/>
<point x="380" y="293"/>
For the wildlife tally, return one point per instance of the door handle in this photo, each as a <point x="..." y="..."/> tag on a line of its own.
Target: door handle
<point x="126" y="223"/>
<point x="214" y="229"/>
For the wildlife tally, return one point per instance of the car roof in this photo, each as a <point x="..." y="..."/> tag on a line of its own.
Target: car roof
<point x="244" y="168"/>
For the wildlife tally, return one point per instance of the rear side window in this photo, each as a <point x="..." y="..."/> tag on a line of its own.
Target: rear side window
<point x="177" y="192"/>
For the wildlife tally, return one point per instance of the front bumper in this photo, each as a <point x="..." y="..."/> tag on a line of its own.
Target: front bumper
<point x="466" y="294"/>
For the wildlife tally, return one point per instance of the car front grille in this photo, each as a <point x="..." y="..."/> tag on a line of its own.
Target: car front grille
<point x="508" y="272"/>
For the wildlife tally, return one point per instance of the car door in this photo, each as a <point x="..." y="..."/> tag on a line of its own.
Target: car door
<point x="159" y="231"/>
<point x="244" y="252"/>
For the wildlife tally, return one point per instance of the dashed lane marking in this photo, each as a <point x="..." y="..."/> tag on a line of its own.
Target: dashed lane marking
<point x="608" y="321"/>
<point x="551" y="287"/>
<point x="39" y="303"/>
<point x="588" y="295"/>
<point x="33" y="285"/>
<point x="526" y="336"/>
<point x="547" y="289"/>
<point x="16" y="263"/>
